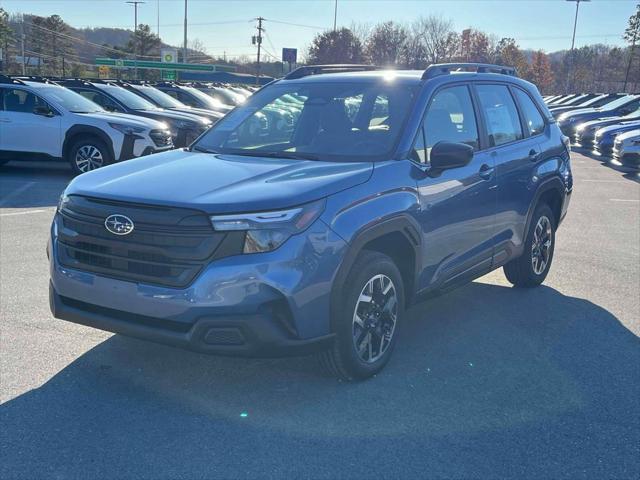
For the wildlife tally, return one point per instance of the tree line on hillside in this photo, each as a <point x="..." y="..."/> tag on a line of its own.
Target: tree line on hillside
<point x="52" y="47"/>
<point x="432" y="39"/>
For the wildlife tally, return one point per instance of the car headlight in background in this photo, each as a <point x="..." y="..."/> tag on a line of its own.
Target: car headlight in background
<point x="126" y="129"/>
<point x="581" y="127"/>
<point x="266" y="231"/>
<point x="562" y="117"/>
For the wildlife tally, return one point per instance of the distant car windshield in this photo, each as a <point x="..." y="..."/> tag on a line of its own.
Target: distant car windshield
<point x="206" y="99"/>
<point x="324" y="121"/>
<point x="127" y="98"/>
<point x="70" y="100"/>
<point x="159" y="97"/>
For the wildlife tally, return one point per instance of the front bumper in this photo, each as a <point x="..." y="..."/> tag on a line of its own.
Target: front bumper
<point x="269" y="304"/>
<point x="239" y="335"/>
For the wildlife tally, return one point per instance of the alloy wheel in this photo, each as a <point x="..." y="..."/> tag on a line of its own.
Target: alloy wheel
<point x="374" y="318"/>
<point x="88" y="157"/>
<point x="541" y="245"/>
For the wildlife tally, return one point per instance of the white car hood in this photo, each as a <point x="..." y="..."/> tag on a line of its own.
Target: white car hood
<point x="126" y="119"/>
<point x="628" y="135"/>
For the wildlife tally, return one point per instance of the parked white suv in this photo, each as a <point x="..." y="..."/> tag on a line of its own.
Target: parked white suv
<point x="45" y="119"/>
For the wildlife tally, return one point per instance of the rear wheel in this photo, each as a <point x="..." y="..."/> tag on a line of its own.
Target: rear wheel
<point x="88" y="153"/>
<point x="532" y="267"/>
<point x="367" y="321"/>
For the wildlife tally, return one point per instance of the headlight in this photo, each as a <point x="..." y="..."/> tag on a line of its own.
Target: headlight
<point x="126" y="129"/>
<point x="580" y="127"/>
<point x="563" y="117"/>
<point x="62" y="201"/>
<point x="266" y="231"/>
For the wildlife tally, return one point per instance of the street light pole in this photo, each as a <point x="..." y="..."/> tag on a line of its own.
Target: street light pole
<point x="135" y="4"/>
<point x="335" y="15"/>
<point x="573" y="42"/>
<point x="184" y="46"/>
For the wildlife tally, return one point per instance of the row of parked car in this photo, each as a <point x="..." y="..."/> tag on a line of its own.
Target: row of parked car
<point x="608" y="124"/>
<point x="92" y="123"/>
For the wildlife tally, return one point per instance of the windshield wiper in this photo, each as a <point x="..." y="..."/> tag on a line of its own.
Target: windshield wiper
<point x="197" y="148"/>
<point x="292" y="155"/>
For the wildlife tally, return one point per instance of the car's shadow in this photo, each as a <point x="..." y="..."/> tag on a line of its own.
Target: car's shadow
<point x="487" y="381"/>
<point x="26" y="184"/>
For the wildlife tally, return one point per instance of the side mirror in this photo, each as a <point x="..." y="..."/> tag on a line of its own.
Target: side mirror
<point x="446" y="155"/>
<point x="43" y="110"/>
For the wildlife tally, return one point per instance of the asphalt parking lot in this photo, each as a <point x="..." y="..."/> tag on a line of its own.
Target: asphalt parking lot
<point x="487" y="381"/>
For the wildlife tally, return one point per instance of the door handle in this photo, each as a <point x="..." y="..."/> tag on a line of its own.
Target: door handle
<point x="486" y="172"/>
<point x="5" y="120"/>
<point x="533" y="155"/>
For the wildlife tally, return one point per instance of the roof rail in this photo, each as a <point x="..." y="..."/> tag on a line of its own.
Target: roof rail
<point x="320" y="69"/>
<point x="446" y="68"/>
<point x="4" y="79"/>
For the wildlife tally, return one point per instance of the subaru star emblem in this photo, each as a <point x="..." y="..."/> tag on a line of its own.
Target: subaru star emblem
<point x="119" y="224"/>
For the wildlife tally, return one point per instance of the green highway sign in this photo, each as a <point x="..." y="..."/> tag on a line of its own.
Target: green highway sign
<point x="193" y="67"/>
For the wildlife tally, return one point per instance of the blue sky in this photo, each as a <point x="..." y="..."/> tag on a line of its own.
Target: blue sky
<point x="227" y="26"/>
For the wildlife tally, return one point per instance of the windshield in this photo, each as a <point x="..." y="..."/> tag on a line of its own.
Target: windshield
<point x="325" y="121"/>
<point x="70" y="100"/>
<point x="617" y="103"/>
<point x="160" y="98"/>
<point x="127" y="98"/>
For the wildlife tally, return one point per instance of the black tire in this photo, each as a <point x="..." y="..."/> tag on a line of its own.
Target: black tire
<point x="88" y="144"/>
<point x="342" y="359"/>
<point x="521" y="271"/>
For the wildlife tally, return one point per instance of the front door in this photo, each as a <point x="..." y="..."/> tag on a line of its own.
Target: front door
<point x="23" y="130"/>
<point x="457" y="206"/>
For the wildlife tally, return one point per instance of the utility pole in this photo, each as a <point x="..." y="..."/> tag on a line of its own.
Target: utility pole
<point x="335" y="15"/>
<point x="158" y="18"/>
<point x="573" y="42"/>
<point x="184" y="46"/>
<point x="258" y="40"/>
<point x="22" y="37"/>
<point x="135" y="4"/>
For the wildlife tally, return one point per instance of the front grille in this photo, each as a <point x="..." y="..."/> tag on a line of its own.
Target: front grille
<point x="168" y="246"/>
<point x="161" y="138"/>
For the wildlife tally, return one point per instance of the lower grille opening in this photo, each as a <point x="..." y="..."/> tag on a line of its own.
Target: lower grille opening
<point x="159" y="323"/>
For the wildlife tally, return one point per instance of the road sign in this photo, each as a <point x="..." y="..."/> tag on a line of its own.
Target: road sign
<point x="169" y="55"/>
<point x="169" y="75"/>
<point x="290" y="55"/>
<point x="104" y="72"/>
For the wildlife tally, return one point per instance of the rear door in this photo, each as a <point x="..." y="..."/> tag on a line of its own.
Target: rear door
<point x="514" y="137"/>
<point x="21" y="129"/>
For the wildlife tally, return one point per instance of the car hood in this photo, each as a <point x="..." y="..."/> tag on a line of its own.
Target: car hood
<point x="201" y="112"/>
<point x="173" y="116"/>
<point x="219" y="183"/>
<point x="125" y="119"/>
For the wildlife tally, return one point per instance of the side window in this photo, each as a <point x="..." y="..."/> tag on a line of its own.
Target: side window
<point x="530" y="112"/>
<point x="449" y="118"/>
<point x="102" y="100"/>
<point x="15" y="100"/>
<point x="503" y="124"/>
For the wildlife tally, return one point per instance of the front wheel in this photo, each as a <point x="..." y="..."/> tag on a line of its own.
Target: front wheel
<point x="366" y="324"/>
<point x="87" y="154"/>
<point x="532" y="267"/>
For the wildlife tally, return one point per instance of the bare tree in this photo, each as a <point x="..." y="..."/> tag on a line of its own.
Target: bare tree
<point x="439" y="39"/>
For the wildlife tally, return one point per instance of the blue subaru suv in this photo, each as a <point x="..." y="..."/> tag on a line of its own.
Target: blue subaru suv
<point x="383" y="188"/>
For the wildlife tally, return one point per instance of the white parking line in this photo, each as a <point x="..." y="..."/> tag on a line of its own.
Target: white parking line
<point x="28" y="212"/>
<point x="624" y="200"/>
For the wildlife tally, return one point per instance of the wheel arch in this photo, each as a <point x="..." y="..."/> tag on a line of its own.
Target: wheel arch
<point x="551" y="192"/>
<point x="396" y="237"/>
<point x="79" y="131"/>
